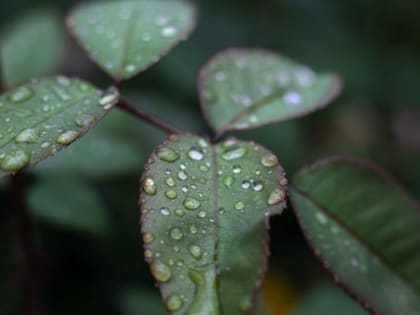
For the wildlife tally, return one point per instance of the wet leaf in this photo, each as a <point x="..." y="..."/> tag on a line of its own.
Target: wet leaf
<point x="71" y="203"/>
<point x="204" y="212"/>
<point x="125" y="38"/>
<point x="245" y="88"/>
<point x="31" y="47"/>
<point x="42" y="117"/>
<point x="365" y="229"/>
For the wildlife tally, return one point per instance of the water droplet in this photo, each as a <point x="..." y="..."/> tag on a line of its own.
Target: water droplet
<point x="191" y="203"/>
<point x="239" y="205"/>
<point x="237" y="169"/>
<point x="167" y="154"/>
<point x="305" y="77"/>
<point x="148" y="238"/>
<point x="84" y="120"/>
<point x="108" y="98"/>
<point x="257" y="186"/>
<point x="168" y="31"/>
<point x="246" y="184"/>
<point x="67" y="137"/>
<point x="292" y="98"/>
<point x="160" y="271"/>
<point x="62" y="80"/>
<point x="203" y="168"/>
<point x="179" y="212"/>
<point x="321" y="218"/>
<point x="182" y="175"/>
<point x="269" y="160"/>
<point x="176" y="234"/>
<point x="202" y="214"/>
<point x="173" y="303"/>
<point x="354" y="262"/>
<point x="228" y="181"/>
<point x="195" y="251"/>
<point x="276" y="196"/>
<point x="170" y="182"/>
<point x="193" y="229"/>
<point x="21" y="94"/>
<point x="149" y="186"/>
<point x="202" y="143"/>
<point x="234" y="153"/>
<point x="130" y="68"/>
<point x="245" y="304"/>
<point x="165" y="211"/>
<point x="148" y="253"/>
<point x="171" y="194"/>
<point x="195" y="154"/>
<point x="29" y="135"/>
<point x="15" y="161"/>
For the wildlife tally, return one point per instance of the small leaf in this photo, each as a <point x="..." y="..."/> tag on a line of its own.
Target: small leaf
<point x="31" y="47"/>
<point x="72" y="203"/>
<point x="42" y="117"/>
<point x="243" y="89"/>
<point x="365" y="229"/>
<point x="125" y="38"/>
<point x="205" y="215"/>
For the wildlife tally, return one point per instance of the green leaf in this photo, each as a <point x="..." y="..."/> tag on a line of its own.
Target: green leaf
<point x="365" y="229"/>
<point x="125" y="38"/>
<point x="71" y="203"/>
<point x="139" y="301"/>
<point x="44" y="116"/>
<point x="31" y="47"/>
<point x="328" y="300"/>
<point x="245" y="88"/>
<point x="205" y="212"/>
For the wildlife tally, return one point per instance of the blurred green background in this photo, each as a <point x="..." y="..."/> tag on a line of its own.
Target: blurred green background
<point x="85" y="199"/>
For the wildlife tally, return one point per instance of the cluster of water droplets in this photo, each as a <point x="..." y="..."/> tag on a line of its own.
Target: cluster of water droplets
<point x="41" y="117"/>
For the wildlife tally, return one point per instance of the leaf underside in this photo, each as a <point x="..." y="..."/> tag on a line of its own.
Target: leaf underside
<point x="44" y="116"/>
<point x="31" y="47"/>
<point x="246" y="88"/>
<point x="124" y="38"/>
<point x="365" y="229"/>
<point x="204" y="221"/>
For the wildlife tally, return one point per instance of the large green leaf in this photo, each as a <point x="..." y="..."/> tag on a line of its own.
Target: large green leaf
<point x="71" y="203"/>
<point x="127" y="37"/>
<point x="205" y="215"/>
<point x="31" y="47"/>
<point x="365" y="229"/>
<point x="44" y="116"/>
<point x="245" y="88"/>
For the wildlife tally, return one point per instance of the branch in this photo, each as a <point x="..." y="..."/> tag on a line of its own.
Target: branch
<point x="30" y="257"/>
<point x="150" y="119"/>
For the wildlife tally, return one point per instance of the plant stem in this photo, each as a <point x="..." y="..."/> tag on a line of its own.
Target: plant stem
<point x="30" y="258"/>
<point x="150" y="119"/>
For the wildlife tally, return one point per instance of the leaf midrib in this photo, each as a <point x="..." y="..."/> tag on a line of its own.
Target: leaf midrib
<point x="48" y="117"/>
<point x="354" y="234"/>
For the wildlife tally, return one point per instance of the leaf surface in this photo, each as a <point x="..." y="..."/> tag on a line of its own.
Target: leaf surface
<point x="124" y="38"/>
<point x="364" y="228"/>
<point x="205" y="212"/>
<point x="246" y="88"/>
<point x="31" y="47"/>
<point x="42" y="117"/>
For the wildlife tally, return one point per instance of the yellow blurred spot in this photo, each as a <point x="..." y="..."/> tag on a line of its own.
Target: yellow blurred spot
<point x="278" y="296"/>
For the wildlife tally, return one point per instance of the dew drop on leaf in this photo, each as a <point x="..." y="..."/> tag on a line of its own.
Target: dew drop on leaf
<point x="171" y="194"/>
<point x="67" y="137"/>
<point x="149" y="186"/>
<point x="269" y="160"/>
<point x="228" y="181"/>
<point x="191" y="203"/>
<point x="195" y="154"/>
<point x="29" y="135"/>
<point x="15" y="161"/>
<point x="276" y="196"/>
<point x="167" y="154"/>
<point x="176" y="234"/>
<point x="21" y="94"/>
<point x="148" y="238"/>
<point x="160" y="271"/>
<point x="195" y="251"/>
<point x="173" y="303"/>
<point x="84" y="120"/>
<point x="233" y="153"/>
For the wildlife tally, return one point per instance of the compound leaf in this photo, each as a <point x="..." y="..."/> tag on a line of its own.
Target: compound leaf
<point x="246" y="88"/>
<point x="31" y="47"/>
<point x="125" y="38"/>
<point x="365" y="229"/>
<point x="44" y="116"/>
<point x="205" y="212"/>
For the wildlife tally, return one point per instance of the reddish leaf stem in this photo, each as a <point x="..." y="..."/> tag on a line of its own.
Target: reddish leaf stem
<point x="149" y="118"/>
